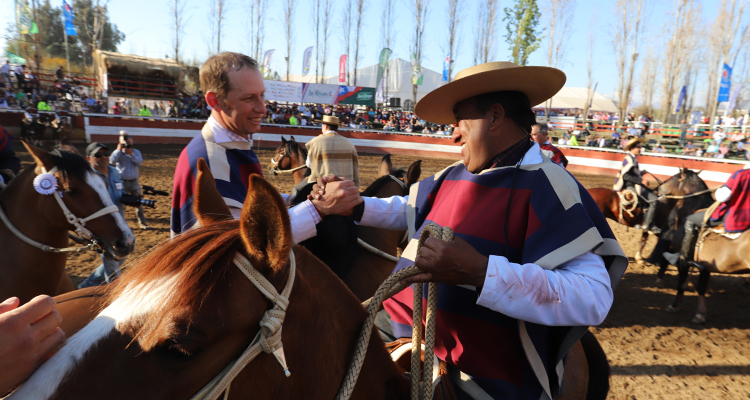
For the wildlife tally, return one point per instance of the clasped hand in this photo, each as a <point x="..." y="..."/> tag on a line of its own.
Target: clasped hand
<point x="335" y="195"/>
<point x="451" y="263"/>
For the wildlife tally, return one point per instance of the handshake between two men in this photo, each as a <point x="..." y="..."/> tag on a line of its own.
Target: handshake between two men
<point x="453" y="263"/>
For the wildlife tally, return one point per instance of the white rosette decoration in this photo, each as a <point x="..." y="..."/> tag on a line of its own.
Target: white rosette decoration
<point x="45" y="183"/>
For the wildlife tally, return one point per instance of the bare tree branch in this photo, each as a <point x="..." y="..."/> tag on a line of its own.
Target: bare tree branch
<point x="179" y="21"/>
<point x="346" y="33"/>
<point x="327" y="16"/>
<point x="455" y="17"/>
<point x="560" y="23"/>
<point x="289" y="8"/>
<point x="359" y="9"/>
<point x="386" y="35"/>
<point x="630" y="24"/>
<point x="420" y="19"/>
<point x="485" y="43"/>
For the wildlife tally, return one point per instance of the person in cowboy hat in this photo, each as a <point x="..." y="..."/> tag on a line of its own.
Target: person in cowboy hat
<point x="631" y="177"/>
<point x="332" y="154"/>
<point x="533" y="261"/>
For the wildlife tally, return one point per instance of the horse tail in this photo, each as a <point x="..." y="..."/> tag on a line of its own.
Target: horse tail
<point x="598" y="387"/>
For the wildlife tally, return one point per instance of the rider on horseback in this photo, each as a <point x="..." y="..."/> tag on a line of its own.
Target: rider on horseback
<point x="733" y="212"/>
<point x="630" y="177"/>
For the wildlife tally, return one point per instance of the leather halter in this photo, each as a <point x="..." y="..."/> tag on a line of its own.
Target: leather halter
<point x="72" y="219"/>
<point x="275" y="170"/>
<point x="267" y="340"/>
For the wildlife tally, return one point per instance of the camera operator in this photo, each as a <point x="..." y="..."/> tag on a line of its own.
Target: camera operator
<point x="97" y="155"/>
<point x="127" y="159"/>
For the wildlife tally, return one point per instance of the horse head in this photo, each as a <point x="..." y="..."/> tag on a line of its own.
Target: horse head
<point x="288" y="155"/>
<point x="81" y="194"/>
<point x="185" y="313"/>
<point x="685" y="182"/>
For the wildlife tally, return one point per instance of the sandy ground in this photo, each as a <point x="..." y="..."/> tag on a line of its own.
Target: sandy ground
<point x="653" y="354"/>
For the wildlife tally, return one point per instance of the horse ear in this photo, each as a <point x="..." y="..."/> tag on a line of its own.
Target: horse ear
<point x="415" y="170"/>
<point x="283" y="141"/>
<point x="265" y="226"/>
<point x="208" y="204"/>
<point x="386" y="166"/>
<point x="292" y="139"/>
<point x="41" y="156"/>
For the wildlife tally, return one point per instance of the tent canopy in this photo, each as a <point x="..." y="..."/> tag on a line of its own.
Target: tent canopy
<point x="398" y="80"/>
<point x="572" y="97"/>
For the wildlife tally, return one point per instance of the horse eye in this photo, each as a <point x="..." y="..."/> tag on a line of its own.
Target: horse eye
<point x="179" y="352"/>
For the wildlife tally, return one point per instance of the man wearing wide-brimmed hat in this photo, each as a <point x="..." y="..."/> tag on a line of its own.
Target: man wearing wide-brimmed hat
<point x="631" y="177"/>
<point x="332" y="154"/>
<point x="533" y="261"/>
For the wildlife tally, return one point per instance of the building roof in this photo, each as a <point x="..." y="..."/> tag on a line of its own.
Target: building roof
<point x="137" y="65"/>
<point x="575" y="97"/>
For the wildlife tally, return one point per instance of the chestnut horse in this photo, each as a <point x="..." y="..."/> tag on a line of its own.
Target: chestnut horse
<point x="184" y="313"/>
<point x="28" y="271"/>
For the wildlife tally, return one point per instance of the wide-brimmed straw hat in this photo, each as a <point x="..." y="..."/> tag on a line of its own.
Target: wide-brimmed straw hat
<point x="632" y="142"/>
<point x="330" y="120"/>
<point x="537" y="83"/>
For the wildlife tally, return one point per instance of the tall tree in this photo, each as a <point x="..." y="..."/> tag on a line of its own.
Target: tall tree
<point x="484" y="41"/>
<point x="455" y="16"/>
<point x="678" y="48"/>
<point x="289" y="8"/>
<point x="346" y="32"/>
<point x="420" y="20"/>
<point x="256" y="10"/>
<point x="560" y="22"/>
<point x="629" y="25"/>
<point x="522" y="35"/>
<point x="590" y="67"/>
<point x="179" y="21"/>
<point x="94" y="29"/>
<point x="648" y="80"/>
<point x="723" y="47"/>
<point x="316" y="31"/>
<point x="359" y="14"/>
<point x="216" y="23"/>
<point x="387" y="34"/>
<point x="327" y="16"/>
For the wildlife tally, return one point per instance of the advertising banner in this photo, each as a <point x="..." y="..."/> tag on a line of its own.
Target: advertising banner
<point x="683" y="95"/>
<point x="358" y="95"/>
<point x="416" y="71"/>
<point x="70" y="29"/>
<point x="445" y="68"/>
<point x="385" y="55"/>
<point x="283" y="91"/>
<point x="25" y="19"/>
<point x="342" y="69"/>
<point x="267" y="63"/>
<point x="319" y="93"/>
<point x="733" y="97"/>
<point x="726" y="81"/>
<point x="306" y="61"/>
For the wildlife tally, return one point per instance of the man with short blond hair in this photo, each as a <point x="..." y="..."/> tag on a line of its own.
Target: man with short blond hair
<point x="234" y="90"/>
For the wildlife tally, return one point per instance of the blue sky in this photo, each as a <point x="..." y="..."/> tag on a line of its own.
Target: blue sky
<point x="146" y="24"/>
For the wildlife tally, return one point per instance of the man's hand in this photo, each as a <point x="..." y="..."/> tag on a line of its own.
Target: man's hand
<point x="331" y="195"/>
<point x="119" y="145"/>
<point x="451" y="263"/>
<point x="27" y="334"/>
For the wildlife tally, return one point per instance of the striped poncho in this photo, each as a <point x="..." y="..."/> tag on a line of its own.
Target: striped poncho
<point x="552" y="220"/>
<point x="231" y="164"/>
<point x="737" y="209"/>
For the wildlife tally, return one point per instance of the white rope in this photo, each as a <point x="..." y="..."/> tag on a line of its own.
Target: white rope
<point x="34" y="243"/>
<point x="376" y="251"/>
<point x="275" y="170"/>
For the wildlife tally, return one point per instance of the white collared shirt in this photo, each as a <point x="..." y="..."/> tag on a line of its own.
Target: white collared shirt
<point x="222" y="134"/>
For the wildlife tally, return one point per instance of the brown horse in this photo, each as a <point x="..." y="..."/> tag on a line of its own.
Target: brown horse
<point x="184" y="313"/>
<point x="28" y="271"/>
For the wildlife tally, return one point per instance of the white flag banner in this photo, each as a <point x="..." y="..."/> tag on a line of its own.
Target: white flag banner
<point x="306" y="61"/>
<point x="319" y="93"/>
<point x="283" y="91"/>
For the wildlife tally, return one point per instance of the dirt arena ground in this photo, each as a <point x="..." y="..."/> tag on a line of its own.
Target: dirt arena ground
<point x="652" y="354"/>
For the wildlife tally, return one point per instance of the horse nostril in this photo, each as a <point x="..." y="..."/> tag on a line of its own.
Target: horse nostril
<point x="124" y="246"/>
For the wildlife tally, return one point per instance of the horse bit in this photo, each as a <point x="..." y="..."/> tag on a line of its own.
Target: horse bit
<point x="46" y="184"/>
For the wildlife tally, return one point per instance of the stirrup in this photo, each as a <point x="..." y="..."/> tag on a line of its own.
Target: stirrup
<point x="672" y="258"/>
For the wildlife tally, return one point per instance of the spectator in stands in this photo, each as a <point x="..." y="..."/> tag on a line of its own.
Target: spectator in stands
<point x="602" y="142"/>
<point x="3" y="101"/>
<point x="712" y="149"/>
<point x="5" y="72"/>
<point x="21" y="76"/>
<point x="683" y="132"/>
<point x="573" y="140"/>
<point x="144" y="112"/>
<point x="59" y="74"/>
<point x="689" y="148"/>
<point x="293" y="120"/>
<point x="737" y="136"/>
<point x="540" y="134"/>
<point x="719" y="135"/>
<point x="116" y="109"/>
<point x="43" y="106"/>
<point x="723" y="150"/>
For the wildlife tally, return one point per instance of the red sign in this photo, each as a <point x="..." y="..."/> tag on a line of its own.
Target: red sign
<point x="342" y="69"/>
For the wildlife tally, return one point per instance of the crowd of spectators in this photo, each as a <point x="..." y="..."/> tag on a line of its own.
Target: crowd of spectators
<point x="22" y="88"/>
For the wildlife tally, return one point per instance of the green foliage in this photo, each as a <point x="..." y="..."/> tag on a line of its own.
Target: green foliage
<point x="523" y="36"/>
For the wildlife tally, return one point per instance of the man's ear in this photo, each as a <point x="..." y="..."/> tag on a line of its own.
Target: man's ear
<point x="498" y="115"/>
<point x="213" y="101"/>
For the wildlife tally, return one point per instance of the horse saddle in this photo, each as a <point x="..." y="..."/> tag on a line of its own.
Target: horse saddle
<point x="442" y="387"/>
<point x="719" y="230"/>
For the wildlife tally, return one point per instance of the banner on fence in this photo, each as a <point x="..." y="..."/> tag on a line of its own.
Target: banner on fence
<point x="726" y="81"/>
<point x="358" y="95"/>
<point x="683" y="95"/>
<point x="342" y="69"/>
<point x="319" y="93"/>
<point x="283" y="91"/>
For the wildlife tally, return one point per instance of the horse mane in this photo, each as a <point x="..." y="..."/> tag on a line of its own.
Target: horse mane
<point x="201" y="257"/>
<point x="377" y="185"/>
<point x="292" y="147"/>
<point x="693" y="182"/>
<point x="70" y="164"/>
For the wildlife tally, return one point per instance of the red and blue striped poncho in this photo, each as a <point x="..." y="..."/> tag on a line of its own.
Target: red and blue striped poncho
<point x="552" y="220"/>
<point x="737" y="209"/>
<point x="231" y="164"/>
<point x="8" y="159"/>
<point x="554" y="154"/>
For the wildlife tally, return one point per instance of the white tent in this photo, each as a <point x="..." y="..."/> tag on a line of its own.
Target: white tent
<point x="309" y="78"/>
<point x="570" y="97"/>
<point x="398" y="80"/>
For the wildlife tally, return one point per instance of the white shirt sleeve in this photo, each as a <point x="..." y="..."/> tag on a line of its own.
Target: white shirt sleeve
<point x="388" y="213"/>
<point x="723" y="194"/>
<point x="303" y="218"/>
<point x="577" y="293"/>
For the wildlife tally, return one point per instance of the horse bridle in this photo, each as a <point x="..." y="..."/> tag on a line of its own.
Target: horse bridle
<point x="72" y="219"/>
<point x="267" y="340"/>
<point x="275" y="170"/>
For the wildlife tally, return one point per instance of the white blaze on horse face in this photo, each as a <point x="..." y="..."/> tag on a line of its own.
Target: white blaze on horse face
<point x="135" y="303"/>
<point x="98" y="184"/>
